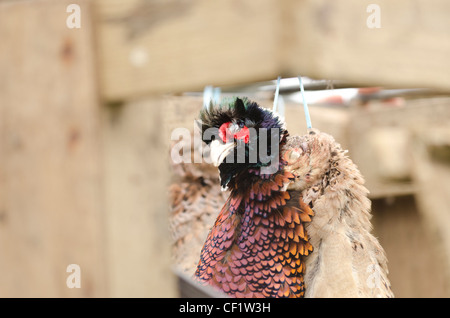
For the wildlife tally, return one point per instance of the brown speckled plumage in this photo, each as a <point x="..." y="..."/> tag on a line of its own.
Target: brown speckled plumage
<point x="195" y="199"/>
<point x="348" y="260"/>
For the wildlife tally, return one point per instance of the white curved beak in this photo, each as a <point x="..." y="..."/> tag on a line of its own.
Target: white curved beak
<point x="219" y="151"/>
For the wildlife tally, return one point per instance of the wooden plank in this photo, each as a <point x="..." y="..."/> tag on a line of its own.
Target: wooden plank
<point x="50" y="178"/>
<point x="178" y="45"/>
<point x="331" y="39"/>
<point x="189" y="288"/>
<point x="431" y="154"/>
<point x="136" y="180"/>
<point x="398" y="224"/>
<point x="369" y="125"/>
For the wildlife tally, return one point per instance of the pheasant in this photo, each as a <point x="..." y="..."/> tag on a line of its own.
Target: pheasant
<point x="258" y="244"/>
<point x="195" y="200"/>
<point x="302" y="230"/>
<point x="348" y="260"/>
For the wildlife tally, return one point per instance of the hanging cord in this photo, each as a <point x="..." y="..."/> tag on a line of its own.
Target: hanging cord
<point x="281" y="105"/>
<point x="211" y="94"/>
<point x="277" y="92"/>
<point x="305" y="105"/>
<point x="207" y="96"/>
<point x="216" y="94"/>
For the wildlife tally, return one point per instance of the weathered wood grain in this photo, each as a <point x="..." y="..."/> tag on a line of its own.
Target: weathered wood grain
<point x="431" y="158"/>
<point x="136" y="209"/>
<point x="179" y="45"/>
<point x="50" y="173"/>
<point x="165" y="46"/>
<point x="369" y="126"/>
<point x="332" y="39"/>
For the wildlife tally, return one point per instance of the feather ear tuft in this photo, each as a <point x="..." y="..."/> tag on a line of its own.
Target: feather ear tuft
<point x="239" y="107"/>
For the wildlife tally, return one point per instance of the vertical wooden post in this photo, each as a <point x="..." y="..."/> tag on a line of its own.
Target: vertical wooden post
<point x="136" y="175"/>
<point x="431" y="157"/>
<point x="51" y="207"/>
<point x="77" y="185"/>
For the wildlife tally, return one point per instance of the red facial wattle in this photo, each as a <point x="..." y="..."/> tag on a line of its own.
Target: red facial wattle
<point x="226" y="135"/>
<point x="242" y="134"/>
<point x="223" y="131"/>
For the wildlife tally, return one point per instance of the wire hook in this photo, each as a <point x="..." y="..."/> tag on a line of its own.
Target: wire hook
<point x="305" y="105"/>
<point x="277" y="93"/>
<point x="210" y="94"/>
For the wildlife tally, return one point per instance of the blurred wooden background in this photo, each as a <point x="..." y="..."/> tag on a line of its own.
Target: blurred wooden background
<point x="85" y="115"/>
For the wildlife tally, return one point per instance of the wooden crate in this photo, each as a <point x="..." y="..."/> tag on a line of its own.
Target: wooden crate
<point x="82" y="117"/>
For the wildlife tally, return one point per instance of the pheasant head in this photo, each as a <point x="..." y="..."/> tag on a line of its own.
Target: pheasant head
<point x="242" y="137"/>
<point x="308" y="157"/>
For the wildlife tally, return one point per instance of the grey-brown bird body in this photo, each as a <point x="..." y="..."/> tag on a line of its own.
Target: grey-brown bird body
<point x="347" y="260"/>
